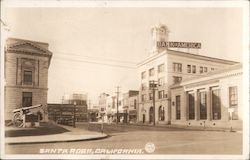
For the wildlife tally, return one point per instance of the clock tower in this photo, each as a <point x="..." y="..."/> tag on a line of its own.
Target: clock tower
<point x="159" y="36"/>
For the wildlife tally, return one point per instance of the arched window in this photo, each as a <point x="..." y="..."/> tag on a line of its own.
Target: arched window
<point x="161" y="113"/>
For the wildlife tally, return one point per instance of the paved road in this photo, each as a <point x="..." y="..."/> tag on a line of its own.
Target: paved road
<point x="166" y="142"/>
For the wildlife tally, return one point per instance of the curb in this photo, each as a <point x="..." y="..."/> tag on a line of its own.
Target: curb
<point x="59" y="141"/>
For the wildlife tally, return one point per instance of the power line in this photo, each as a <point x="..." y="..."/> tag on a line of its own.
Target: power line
<point x="101" y="58"/>
<point x="92" y="62"/>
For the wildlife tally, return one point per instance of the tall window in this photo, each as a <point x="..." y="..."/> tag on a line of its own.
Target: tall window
<point x="134" y="103"/>
<point x="177" y="79"/>
<point x="178" y="107"/>
<point x="188" y="68"/>
<point x="143" y="75"/>
<point x="27" y="99"/>
<point x="161" y="81"/>
<point x="151" y="72"/>
<point x="143" y="97"/>
<point x="27" y="77"/>
<point x="233" y="102"/>
<point x="150" y="96"/>
<point x="203" y="105"/>
<point x="177" y="67"/>
<point x="160" y="68"/>
<point x="161" y="113"/>
<point x="161" y="94"/>
<point x="143" y="86"/>
<point x="201" y="69"/>
<point x="193" y="69"/>
<point x="205" y="69"/>
<point x="191" y="112"/>
<point x="216" y="106"/>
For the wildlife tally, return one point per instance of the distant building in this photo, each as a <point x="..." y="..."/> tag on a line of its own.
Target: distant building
<point x="130" y="105"/>
<point x="214" y="100"/>
<point x="167" y="67"/>
<point x="26" y="75"/>
<point x="65" y="112"/>
<point x="79" y="99"/>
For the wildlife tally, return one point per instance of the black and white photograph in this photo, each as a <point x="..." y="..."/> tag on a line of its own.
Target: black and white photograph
<point x="124" y="79"/>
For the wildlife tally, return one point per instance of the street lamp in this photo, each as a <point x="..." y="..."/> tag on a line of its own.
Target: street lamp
<point x="74" y="116"/>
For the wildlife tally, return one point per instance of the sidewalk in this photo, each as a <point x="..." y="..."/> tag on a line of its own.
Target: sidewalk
<point x="74" y="134"/>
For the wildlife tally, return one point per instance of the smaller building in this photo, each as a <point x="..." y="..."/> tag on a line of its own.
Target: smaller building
<point x="65" y="112"/>
<point x="130" y="104"/>
<point x="214" y="100"/>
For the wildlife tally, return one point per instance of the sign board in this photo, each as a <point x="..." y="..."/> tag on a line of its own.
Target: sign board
<point x="179" y="44"/>
<point x="152" y="85"/>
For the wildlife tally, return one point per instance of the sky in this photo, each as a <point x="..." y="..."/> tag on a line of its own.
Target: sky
<point x="97" y="49"/>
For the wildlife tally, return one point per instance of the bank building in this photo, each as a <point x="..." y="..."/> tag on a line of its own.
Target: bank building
<point x="188" y="89"/>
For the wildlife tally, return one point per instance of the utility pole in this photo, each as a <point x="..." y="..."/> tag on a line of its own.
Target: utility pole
<point x="153" y="86"/>
<point x="117" y="103"/>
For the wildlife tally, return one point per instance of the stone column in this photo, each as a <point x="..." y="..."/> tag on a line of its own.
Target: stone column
<point x="196" y="105"/>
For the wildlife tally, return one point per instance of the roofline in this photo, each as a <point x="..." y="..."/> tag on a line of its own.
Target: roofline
<point x="168" y="51"/>
<point x="11" y="38"/>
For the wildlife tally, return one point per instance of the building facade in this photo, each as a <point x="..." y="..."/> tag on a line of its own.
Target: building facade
<point x="166" y="67"/>
<point x="130" y="105"/>
<point x="26" y="75"/>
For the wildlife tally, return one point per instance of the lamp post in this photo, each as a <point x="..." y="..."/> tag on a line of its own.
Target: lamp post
<point x="74" y="116"/>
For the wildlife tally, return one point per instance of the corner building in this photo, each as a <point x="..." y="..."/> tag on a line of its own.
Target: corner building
<point x="26" y="75"/>
<point x="168" y="67"/>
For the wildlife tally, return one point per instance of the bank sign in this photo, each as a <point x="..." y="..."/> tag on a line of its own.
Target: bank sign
<point x="179" y="44"/>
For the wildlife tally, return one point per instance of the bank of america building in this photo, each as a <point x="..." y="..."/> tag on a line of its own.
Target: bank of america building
<point x="192" y="89"/>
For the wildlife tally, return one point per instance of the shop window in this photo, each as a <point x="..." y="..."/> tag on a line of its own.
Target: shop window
<point x="27" y="99"/>
<point x="178" y="107"/>
<point x="191" y="112"/>
<point x="203" y="105"/>
<point x="216" y="105"/>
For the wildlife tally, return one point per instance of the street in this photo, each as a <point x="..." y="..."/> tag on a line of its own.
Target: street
<point x="167" y="141"/>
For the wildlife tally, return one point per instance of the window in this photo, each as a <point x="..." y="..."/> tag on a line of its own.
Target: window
<point x="177" y="79"/>
<point x="161" y="81"/>
<point x="194" y="69"/>
<point x="178" y="107"/>
<point x="143" y="75"/>
<point x="27" y="99"/>
<point x="161" y="113"/>
<point x="233" y="102"/>
<point x="203" y="105"/>
<point x="161" y="94"/>
<point x="205" y="69"/>
<point x="216" y="106"/>
<point x="160" y="68"/>
<point x="191" y="112"/>
<point x="212" y="69"/>
<point x="134" y="103"/>
<point x="188" y="68"/>
<point x="143" y="97"/>
<point x="143" y="86"/>
<point x="150" y="96"/>
<point x="201" y="69"/>
<point x="27" y="77"/>
<point x="177" y="67"/>
<point x="151" y="72"/>
<point x="233" y="98"/>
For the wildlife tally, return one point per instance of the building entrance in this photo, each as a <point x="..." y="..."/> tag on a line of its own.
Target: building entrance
<point x="151" y="115"/>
